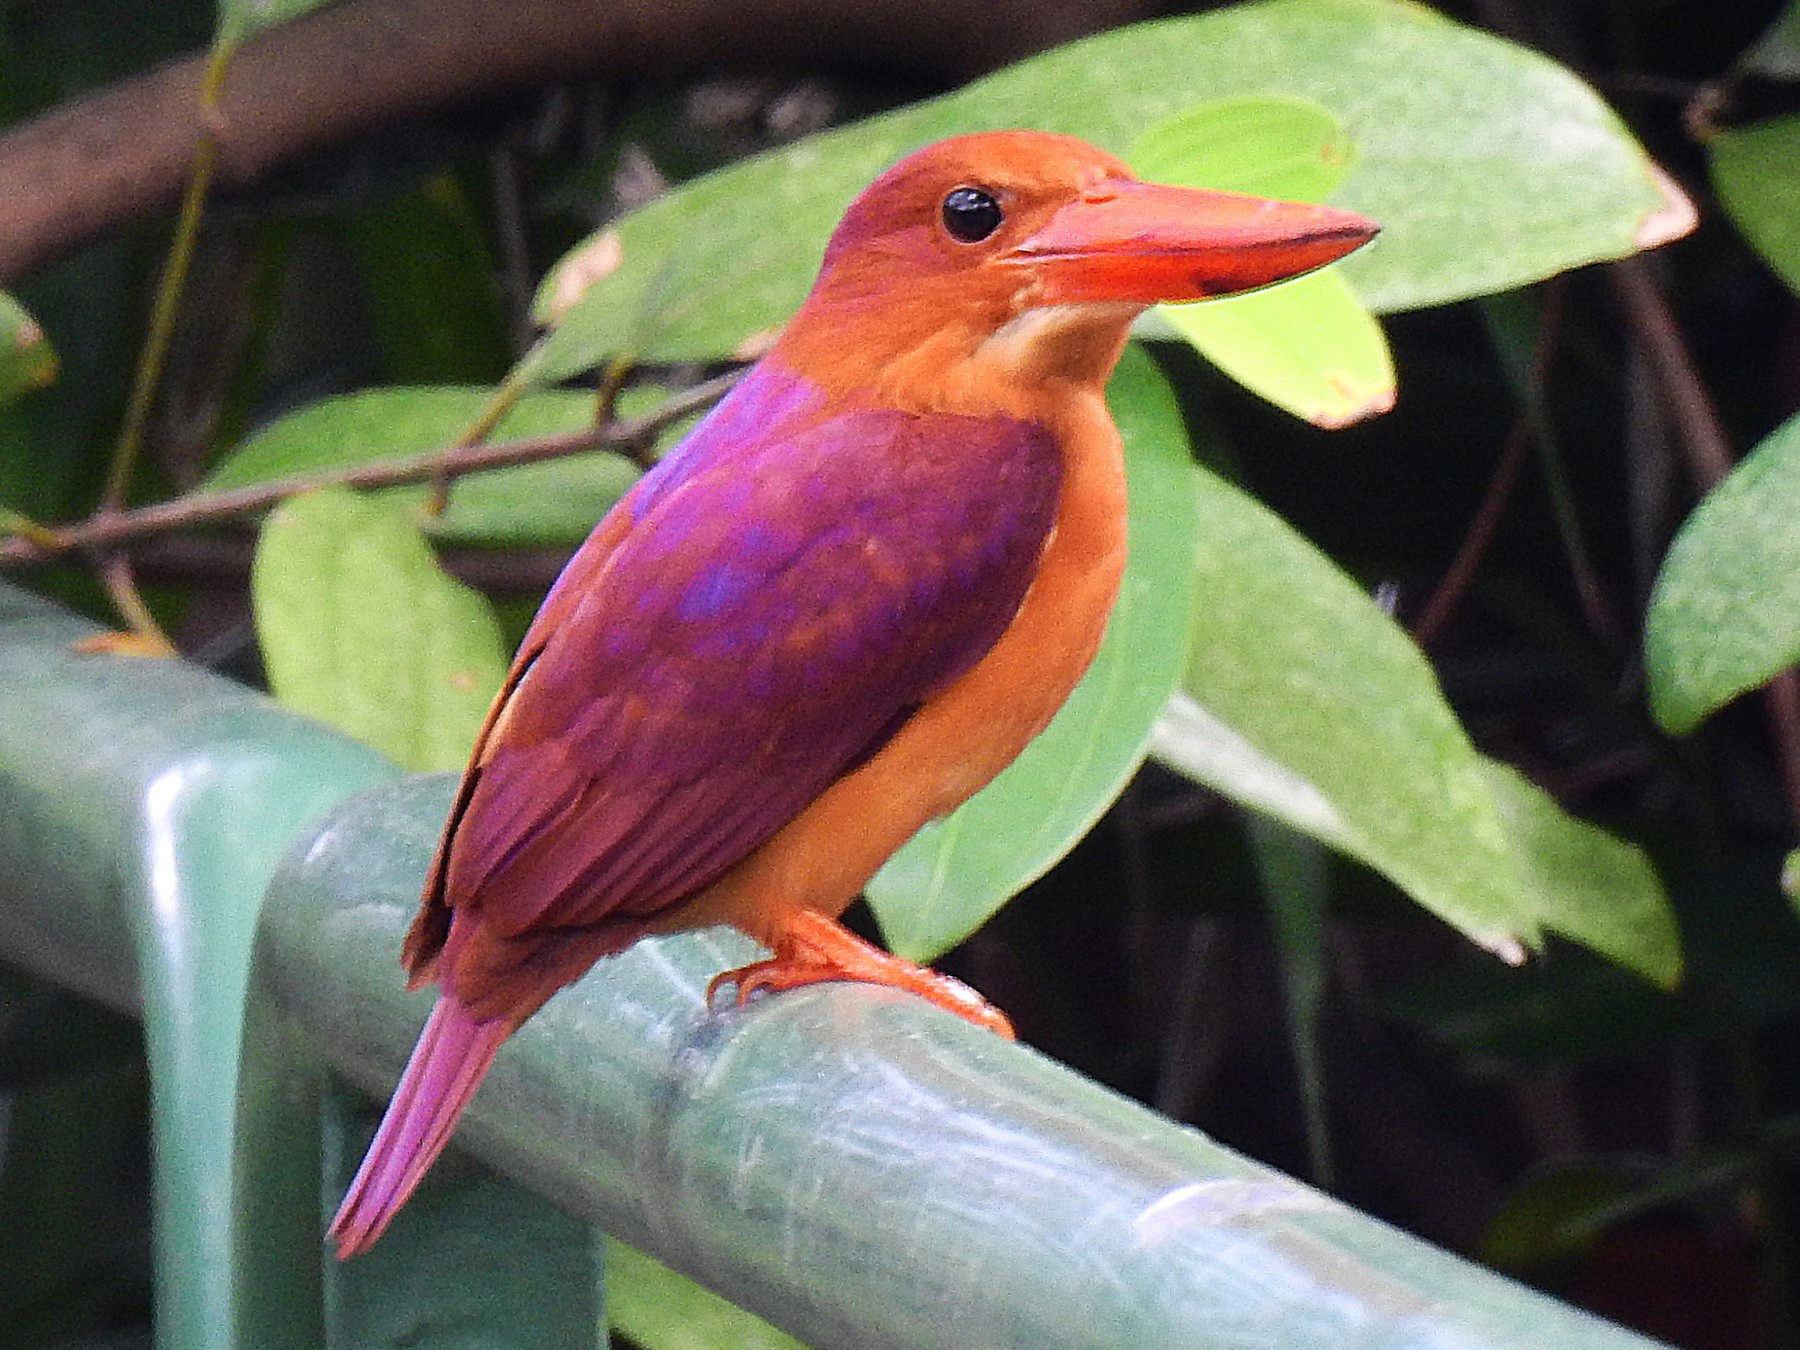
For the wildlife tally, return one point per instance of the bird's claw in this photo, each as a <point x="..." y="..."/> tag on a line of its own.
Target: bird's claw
<point x="778" y="973"/>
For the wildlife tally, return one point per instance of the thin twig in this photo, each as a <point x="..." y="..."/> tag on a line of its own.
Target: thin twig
<point x="1781" y="698"/>
<point x="1469" y="554"/>
<point x="1480" y="537"/>
<point x="115" y="569"/>
<point x="107" y="529"/>
<point x="1653" y="322"/>
<point x="612" y="384"/>
<point x="514" y="265"/>
<point x="1589" y="592"/>
<point x="221" y="558"/>
<point x="169" y="289"/>
<point x="501" y="402"/>
<point x="14" y="522"/>
<point x="121" y="589"/>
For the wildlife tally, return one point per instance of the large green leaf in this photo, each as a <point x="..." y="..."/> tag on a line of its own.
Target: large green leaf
<point x="554" y="502"/>
<point x="1725" y="611"/>
<point x="1307" y="346"/>
<point x="26" y="359"/>
<point x="1488" y="165"/>
<point x="1303" y="700"/>
<point x="947" y="881"/>
<point x="1756" y="169"/>
<point x="362" y="630"/>
<point x="1270" y="145"/>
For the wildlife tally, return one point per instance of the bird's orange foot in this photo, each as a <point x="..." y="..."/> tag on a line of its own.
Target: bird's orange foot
<point x="123" y="644"/>
<point x="811" y="948"/>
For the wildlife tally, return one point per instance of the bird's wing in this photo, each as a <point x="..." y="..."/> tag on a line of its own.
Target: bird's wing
<point x="767" y="621"/>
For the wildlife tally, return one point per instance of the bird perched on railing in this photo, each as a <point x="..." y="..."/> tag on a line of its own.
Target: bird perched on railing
<point x="843" y="604"/>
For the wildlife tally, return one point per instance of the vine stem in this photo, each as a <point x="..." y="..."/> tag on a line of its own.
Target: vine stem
<point x="146" y="636"/>
<point x="169" y="290"/>
<point x="110" y="529"/>
<point x="115" y="569"/>
<point x="511" y="390"/>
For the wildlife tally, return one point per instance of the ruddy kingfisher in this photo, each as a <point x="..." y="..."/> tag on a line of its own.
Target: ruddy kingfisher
<point x="835" y="611"/>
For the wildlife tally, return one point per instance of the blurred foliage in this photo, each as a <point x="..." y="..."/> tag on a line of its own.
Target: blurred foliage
<point x="371" y="305"/>
<point x="1455" y="168"/>
<point x="1725" y="616"/>
<point x="361" y="629"/>
<point x="26" y="361"/>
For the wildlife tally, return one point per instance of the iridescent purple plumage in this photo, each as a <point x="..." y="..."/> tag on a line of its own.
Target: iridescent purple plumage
<point x="788" y="588"/>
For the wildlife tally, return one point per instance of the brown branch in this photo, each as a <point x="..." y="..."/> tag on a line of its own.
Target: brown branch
<point x="1702" y="434"/>
<point x="222" y="558"/>
<point x="1781" y="702"/>
<point x="109" y="529"/>
<point x="94" y="163"/>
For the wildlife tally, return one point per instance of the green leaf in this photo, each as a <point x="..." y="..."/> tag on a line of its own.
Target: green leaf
<point x="362" y="630"/>
<point x="1725" y="611"/>
<point x="1584" y="883"/>
<point x="1307" y="346"/>
<point x="240" y="19"/>
<point x="27" y="361"/>
<point x="552" y="503"/>
<point x="1551" y="1217"/>
<point x="660" y="1309"/>
<point x="1498" y="169"/>
<point x="1756" y="170"/>
<point x="954" y="874"/>
<point x="1305" y="701"/>
<point x="1266" y="145"/>
<point x="1776" y="54"/>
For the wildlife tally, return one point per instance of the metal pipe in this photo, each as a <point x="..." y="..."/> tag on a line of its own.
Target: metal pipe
<point x="850" y="1163"/>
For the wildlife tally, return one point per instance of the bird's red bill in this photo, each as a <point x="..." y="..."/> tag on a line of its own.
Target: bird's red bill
<point x="1146" y="243"/>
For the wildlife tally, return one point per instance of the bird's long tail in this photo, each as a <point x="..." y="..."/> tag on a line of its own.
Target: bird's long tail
<point x="447" y="1065"/>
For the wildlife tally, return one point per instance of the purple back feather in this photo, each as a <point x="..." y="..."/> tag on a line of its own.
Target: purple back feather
<point x="792" y="586"/>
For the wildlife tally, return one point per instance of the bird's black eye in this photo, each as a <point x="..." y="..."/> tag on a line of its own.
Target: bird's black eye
<point x="971" y="215"/>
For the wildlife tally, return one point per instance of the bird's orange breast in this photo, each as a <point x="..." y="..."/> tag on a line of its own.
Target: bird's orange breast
<point x="955" y="744"/>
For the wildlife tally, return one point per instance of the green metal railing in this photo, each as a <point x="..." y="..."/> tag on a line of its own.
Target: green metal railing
<point x="856" y="1166"/>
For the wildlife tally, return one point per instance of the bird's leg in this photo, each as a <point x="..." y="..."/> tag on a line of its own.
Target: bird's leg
<point x="810" y="948"/>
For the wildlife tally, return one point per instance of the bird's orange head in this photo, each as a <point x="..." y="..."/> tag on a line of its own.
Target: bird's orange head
<point x="1022" y="257"/>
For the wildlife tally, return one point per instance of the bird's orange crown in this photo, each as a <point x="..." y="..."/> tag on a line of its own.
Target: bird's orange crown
<point x="1012" y="257"/>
